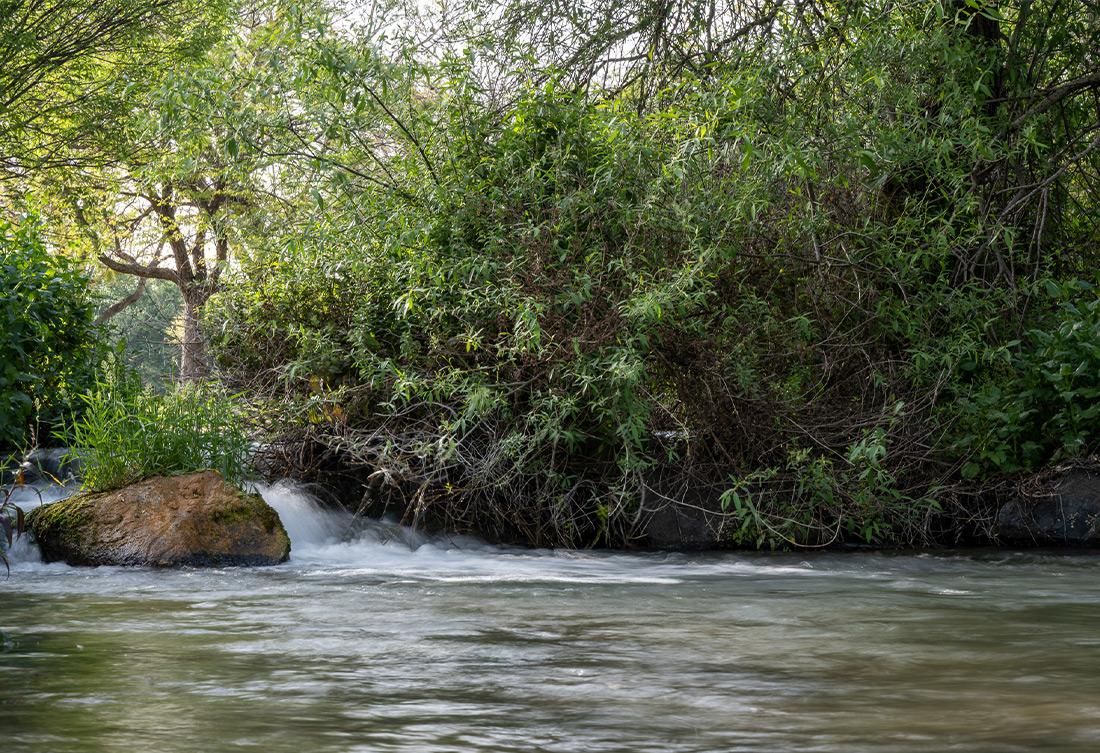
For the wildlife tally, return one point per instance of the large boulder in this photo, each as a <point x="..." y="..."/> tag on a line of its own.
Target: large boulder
<point x="1058" y="508"/>
<point x="197" y="520"/>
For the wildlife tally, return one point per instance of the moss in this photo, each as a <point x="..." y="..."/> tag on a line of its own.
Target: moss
<point x="66" y="525"/>
<point x="250" y="508"/>
<point x="60" y="515"/>
<point x="269" y="519"/>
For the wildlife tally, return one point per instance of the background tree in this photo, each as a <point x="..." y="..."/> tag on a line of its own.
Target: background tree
<point x="185" y="174"/>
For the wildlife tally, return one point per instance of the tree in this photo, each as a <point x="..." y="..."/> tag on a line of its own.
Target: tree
<point x="70" y="70"/>
<point x="196" y="257"/>
<point x="222" y="155"/>
<point x="61" y="61"/>
<point x="184" y="170"/>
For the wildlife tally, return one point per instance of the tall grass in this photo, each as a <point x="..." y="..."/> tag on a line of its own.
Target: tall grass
<point x="128" y="433"/>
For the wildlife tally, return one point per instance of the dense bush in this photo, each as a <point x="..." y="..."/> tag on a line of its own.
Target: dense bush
<point x="49" y="345"/>
<point x="1039" y="399"/>
<point x="801" y="275"/>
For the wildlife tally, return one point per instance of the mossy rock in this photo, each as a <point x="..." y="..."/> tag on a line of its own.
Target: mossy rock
<point x="197" y="520"/>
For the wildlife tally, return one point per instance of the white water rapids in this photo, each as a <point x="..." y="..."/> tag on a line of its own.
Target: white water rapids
<point x="332" y="541"/>
<point x="374" y="637"/>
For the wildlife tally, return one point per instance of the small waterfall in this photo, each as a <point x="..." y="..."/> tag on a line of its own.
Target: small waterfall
<point x="23" y="553"/>
<point x="31" y="496"/>
<point x="334" y="542"/>
<point x="307" y="522"/>
<point x="319" y="534"/>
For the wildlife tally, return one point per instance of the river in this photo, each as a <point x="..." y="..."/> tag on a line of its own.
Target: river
<point x="376" y="638"/>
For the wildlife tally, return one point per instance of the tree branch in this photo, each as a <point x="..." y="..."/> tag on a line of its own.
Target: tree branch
<point x="139" y="270"/>
<point x="167" y="216"/>
<point x="123" y="304"/>
<point x="1057" y="94"/>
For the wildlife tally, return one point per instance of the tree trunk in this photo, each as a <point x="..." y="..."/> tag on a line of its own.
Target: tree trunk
<point x="193" y="361"/>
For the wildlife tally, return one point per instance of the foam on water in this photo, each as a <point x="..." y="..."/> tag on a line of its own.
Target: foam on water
<point x="328" y="542"/>
<point x="335" y="543"/>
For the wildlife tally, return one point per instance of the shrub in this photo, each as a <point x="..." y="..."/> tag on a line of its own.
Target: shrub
<point x="1036" y="400"/>
<point x="49" y="345"/>
<point x="588" y="281"/>
<point x="782" y="274"/>
<point x="128" y="432"/>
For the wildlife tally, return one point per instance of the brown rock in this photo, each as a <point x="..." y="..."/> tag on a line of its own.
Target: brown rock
<point x="197" y="520"/>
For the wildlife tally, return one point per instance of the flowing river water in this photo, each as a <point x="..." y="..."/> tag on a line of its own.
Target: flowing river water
<point x="374" y="638"/>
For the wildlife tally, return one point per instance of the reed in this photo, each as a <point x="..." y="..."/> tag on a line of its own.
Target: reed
<point x="128" y="432"/>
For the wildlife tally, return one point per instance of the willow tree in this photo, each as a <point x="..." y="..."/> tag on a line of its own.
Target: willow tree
<point x="811" y="241"/>
<point x="60" y="64"/>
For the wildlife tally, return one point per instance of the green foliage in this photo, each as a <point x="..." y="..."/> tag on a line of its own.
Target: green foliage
<point x="49" y="345"/>
<point x="128" y="433"/>
<point x="793" y="259"/>
<point x="71" y="69"/>
<point x="855" y="497"/>
<point x="1039" y="399"/>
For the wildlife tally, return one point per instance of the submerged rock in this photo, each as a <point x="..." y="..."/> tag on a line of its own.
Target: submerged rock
<point x="1059" y="507"/>
<point x="197" y="520"/>
<point x="50" y="464"/>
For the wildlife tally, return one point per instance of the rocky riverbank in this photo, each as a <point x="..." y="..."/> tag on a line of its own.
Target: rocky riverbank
<point x="201" y="520"/>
